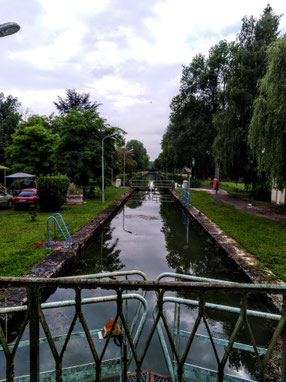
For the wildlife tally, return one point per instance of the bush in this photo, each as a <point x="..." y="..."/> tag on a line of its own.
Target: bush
<point x="52" y="192"/>
<point x="107" y="182"/>
<point x="195" y="183"/>
<point x="261" y="192"/>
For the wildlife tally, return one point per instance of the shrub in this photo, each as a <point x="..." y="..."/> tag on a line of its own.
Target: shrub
<point x="261" y="192"/>
<point x="52" y="191"/>
<point x="107" y="182"/>
<point x="195" y="183"/>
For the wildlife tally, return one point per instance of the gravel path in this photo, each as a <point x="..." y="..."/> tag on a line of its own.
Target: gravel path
<point x="245" y="205"/>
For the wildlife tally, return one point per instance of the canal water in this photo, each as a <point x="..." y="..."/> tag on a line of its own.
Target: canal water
<point x="151" y="233"/>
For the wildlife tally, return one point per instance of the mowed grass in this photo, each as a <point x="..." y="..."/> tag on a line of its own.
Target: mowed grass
<point x="22" y="239"/>
<point x="264" y="238"/>
<point x="232" y="185"/>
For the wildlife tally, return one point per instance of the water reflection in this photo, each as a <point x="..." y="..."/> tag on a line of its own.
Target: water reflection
<point x="105" y="259"/>
<point x="188" y="250"/>
<point x="137" y="200"/>
<point x="154" y="236"/>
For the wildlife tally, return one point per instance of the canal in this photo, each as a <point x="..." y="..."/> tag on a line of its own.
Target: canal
<point x="151" y="233"/>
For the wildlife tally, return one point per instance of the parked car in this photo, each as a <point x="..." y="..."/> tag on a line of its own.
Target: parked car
<point x="17" y="186"/>
<point x="6" y="200"/>
<point x="26" y="198"/>
<point x="28" y="183"/>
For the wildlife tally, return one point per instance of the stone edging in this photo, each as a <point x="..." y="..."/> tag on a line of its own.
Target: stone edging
<point x="242" y="259"/>
<point x="57" y="261"/>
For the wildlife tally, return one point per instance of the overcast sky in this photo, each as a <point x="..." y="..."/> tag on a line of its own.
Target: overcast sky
<point x="128" y="54"/>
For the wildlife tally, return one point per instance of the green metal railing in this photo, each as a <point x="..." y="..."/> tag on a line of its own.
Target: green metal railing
<point x="164" y="184"/>
<point x="100" y="368"/>
<point x="143" y="184"/>
<point x="140" y="184"/>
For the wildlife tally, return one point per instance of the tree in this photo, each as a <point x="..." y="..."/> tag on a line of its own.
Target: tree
<point x="130" y="163"/>
<point x="189" y="136"/>
<point x="79" y="149"/>
<point x="267" y="134"/>
<point x="73" y="101"/>
<point x="33" y="146"/>
<point x="139" y="154"/>
<point x="246" y="65"/>
<point x="9" y="120"/>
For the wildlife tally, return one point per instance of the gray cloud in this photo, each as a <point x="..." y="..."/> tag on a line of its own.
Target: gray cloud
<point x="130" y="66"/>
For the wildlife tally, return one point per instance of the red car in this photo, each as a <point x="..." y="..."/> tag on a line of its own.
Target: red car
<point x="27" y="197"/>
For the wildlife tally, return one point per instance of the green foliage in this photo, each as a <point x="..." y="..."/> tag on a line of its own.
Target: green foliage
<point x="78" y="152"/>
<point x="52" y="192"/>
<point x="9" y="120"/>
<point x="130" y="163"/>
<point x="245" y="66"/>
<point x="139" y="154"/>
<point x="33" y="146"/>
<point x="261" y="192"/>
<point x="210" y="117"/>
<point x="74" y="101"/>
<point x="267" y="135"/>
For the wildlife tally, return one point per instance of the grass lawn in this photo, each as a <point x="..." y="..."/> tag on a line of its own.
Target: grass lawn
<point x="21" y="237"/>
<point x="232" y="186"/>
<point x="264" y="238"/>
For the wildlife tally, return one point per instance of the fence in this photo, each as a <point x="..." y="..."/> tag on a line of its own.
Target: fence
<point x="101" y="367"/>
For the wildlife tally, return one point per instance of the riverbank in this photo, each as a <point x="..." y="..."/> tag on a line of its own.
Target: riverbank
<point x="60" y="258"/>
<point x="249" y="241"/>
<point x="23" y="239"/>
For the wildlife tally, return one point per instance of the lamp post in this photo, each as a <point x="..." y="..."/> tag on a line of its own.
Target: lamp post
<point x="124" y="155"/>
<point x="8" y="28"/>
<point x="102" y="162"/>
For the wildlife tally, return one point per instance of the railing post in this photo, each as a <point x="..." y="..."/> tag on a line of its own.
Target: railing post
<point x="284" y="355"/>
<point x="283" y="336"/>
<point x="33" y="309"/>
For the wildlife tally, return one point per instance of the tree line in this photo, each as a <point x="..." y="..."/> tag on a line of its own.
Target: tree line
<point x="69" y="143"/>
<point x="230" y="111"/>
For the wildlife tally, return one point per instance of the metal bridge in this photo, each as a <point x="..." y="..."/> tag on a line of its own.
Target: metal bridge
<point x="159" y="184"/>
<point x="118" y="292"/>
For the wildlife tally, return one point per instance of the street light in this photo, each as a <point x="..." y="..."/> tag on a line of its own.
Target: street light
<point x="124" y="155"/>
<point x="8" y="28"/>
<point x="102" y="162"/>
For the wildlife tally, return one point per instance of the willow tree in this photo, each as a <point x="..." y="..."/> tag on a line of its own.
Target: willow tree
<point x="246" y="66"/>
<point x="267" y="135"/>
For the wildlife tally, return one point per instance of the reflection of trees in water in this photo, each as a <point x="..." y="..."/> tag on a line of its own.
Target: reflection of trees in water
<point x="185" y="254"/>
<point x="192" y="255"/>
<point x="100" y="256"/>
<point x="136" y="200"/>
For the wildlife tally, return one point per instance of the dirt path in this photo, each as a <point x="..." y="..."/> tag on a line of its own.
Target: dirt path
<point x="245" y="205"/>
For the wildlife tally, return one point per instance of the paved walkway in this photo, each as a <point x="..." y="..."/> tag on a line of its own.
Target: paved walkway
<point x="245" y="205"/>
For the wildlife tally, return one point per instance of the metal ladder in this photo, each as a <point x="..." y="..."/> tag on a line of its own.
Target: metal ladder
<point x="56" y="224"/>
